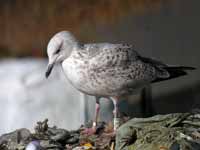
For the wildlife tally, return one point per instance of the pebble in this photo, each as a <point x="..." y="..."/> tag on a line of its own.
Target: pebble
<point x="34" y="145"/>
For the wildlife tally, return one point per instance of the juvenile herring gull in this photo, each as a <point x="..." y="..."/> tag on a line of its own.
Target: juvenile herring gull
<point x="106" y="69"/>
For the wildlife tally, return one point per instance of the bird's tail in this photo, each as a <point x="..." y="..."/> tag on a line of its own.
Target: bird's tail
<point x="164" y="71"/>
<point x="175" y="71"/>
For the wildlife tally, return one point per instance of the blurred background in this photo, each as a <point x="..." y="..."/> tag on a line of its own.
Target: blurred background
<point x="167" y="30"/>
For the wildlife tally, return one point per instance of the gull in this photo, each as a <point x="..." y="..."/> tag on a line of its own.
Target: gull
<point x="105" y="69"/>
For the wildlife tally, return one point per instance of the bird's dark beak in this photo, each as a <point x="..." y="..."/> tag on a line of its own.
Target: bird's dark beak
<point x="49" y="69"/>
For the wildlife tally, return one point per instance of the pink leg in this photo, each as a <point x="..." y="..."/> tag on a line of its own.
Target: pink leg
<point x="92" y="130"/>
<point x="97" y="108"/>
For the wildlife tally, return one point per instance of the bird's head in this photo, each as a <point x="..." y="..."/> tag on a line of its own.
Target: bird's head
<point x="59" y="48"/>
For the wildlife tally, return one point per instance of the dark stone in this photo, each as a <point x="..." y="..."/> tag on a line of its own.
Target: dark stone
<point x="15" y="139"/>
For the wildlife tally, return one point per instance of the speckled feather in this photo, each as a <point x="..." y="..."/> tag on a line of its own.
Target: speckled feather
<point x="105" y="69"/>
<point x="108" y="69"/>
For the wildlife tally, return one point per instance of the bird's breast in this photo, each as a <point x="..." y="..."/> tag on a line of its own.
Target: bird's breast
<point x="80" y="76"/>
<point x="76" y="72"/>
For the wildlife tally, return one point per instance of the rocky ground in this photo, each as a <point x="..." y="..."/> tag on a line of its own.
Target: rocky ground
<point x="178" y="131"/>
<point x="53" y="138"/>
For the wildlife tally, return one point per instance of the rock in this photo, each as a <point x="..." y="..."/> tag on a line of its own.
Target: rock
<point x="47" y="144"/>
<point x="34" y="145"/>
<point x="18" y="138"/>
<point x="58" y="135"/>
<point x="170" y="132"/>
<point x="74" y="138"/>
<point x="42" y="130"/>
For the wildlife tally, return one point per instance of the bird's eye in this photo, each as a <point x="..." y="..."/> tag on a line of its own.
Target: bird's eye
<point x="57" y="51"/>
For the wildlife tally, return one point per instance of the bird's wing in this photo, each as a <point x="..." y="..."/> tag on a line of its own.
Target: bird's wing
<point x="106" y="55"/>
<point x="119" y="67"/>
<point x="119" y="60"/>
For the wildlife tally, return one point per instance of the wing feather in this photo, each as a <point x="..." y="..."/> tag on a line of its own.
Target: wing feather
<point x="107" y="55"/>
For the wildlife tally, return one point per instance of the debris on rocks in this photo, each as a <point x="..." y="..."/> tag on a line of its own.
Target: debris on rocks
<point x="53" y="138"/>
<point x="15" y="140"/>
<point x="161" y="132"/>
<point x="178" y="131"/>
